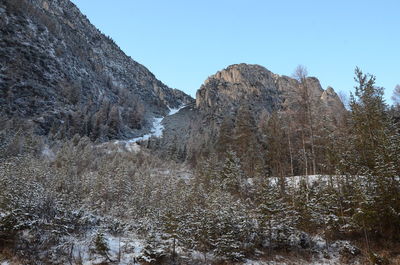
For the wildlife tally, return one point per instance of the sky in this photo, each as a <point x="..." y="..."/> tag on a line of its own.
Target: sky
<point x="183" y="42"/>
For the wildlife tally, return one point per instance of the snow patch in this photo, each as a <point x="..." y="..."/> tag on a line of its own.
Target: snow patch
<point x="157" y="126"/>
<point x="156" y="131"/>
<point x="48" y="153"/>
<point x="132" y="145"/>
<point x="122" y="250"/>
<point x="296" y="181"/>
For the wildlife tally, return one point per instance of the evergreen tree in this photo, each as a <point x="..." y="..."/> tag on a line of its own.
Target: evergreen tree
<point x="171" y="227"/>
<point x="369" y="119"/>
<point x="375" y="142"/>
<point x="154" y="250"/>
<point x="276" y="215"/>
<point x="231" y="176"/>
<point x="101" y="245"/>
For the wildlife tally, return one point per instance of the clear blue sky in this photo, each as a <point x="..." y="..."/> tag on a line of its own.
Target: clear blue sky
<point x="183" y="42"/>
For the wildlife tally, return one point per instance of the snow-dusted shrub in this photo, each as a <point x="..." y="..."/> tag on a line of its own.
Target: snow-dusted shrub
<point x="100" y="245"/>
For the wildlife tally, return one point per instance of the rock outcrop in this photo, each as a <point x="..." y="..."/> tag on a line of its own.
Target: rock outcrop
<point x="254" y="85"/>
<point x="60" y="73"/>
<point x="237" y="85"/>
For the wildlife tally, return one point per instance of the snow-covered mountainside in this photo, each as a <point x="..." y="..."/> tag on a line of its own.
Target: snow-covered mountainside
<point x="62" y="76"/>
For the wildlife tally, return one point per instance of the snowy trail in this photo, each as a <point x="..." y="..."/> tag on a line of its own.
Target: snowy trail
<point x="157" y="127"/>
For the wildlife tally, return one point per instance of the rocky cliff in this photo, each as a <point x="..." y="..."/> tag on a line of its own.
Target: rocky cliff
<point x="254" y="85"/>
<point x="63" y="76"/>
<point x="237" y="85"/>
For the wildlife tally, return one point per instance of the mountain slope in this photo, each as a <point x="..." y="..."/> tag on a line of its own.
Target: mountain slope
<point x="63" y="76"/>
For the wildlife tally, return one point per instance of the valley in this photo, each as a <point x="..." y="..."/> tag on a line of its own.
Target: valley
<point x="102" y="163"/>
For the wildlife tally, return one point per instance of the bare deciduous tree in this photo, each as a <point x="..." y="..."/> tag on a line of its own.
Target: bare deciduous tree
<point x="306" y="109"/>
<point x="396" y="95"/>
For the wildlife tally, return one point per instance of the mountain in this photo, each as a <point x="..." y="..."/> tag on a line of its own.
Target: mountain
<point x="237" y="101"/>
<point x="62" y="76"/>
<point x="256" y="86"/>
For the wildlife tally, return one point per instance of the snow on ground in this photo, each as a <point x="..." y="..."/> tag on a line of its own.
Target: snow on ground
<point x="322" y="254"/>
<point x="47" y="153"/>
<point x="132" y="145"/>
<point x="157" y="127"/>
<point x="180" y="171"/>
<point x="128" y="249"/>
<point x="173" y="111"/>
<point x="122" y="250"/>
<point x="279" y="260"/>
<point x="295" y="181"/>
<point x="156" y="131"/>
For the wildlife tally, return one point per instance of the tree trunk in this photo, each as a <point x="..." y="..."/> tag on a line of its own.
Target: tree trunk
<point x="304" y="153"/>
<point x="290" y="154"/>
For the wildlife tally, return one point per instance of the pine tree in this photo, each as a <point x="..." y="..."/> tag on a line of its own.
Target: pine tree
<point x="231" y="175"/>
<point x="375" y="142"/>
<point x="154" y="250"/>
<point x="198" y="234"/>
<point x="276" y="215"/>
<point x="171" y="228"/>
<point x="369" y="119"/>
<point x="229" y="229"/>
<point x="101" y="246"/>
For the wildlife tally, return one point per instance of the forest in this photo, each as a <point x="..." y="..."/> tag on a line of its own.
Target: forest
<point x="308" y="189"/>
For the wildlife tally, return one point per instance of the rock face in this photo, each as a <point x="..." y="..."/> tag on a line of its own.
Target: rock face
<point x="60" y="73"/>
<point x="254" y="85"/>
<point x="237" y="85"/>
<point x="332" y="103"/>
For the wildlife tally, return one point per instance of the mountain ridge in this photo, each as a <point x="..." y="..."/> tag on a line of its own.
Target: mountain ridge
<point x="53" y="53"/>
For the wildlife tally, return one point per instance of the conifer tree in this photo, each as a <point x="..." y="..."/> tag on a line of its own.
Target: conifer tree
<point x="231" y="175"/>
<point x="369" y="119"/>
<point x="154" y="250"/>
<point x="101" y="246"/>
<point x="171" y="227"/>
